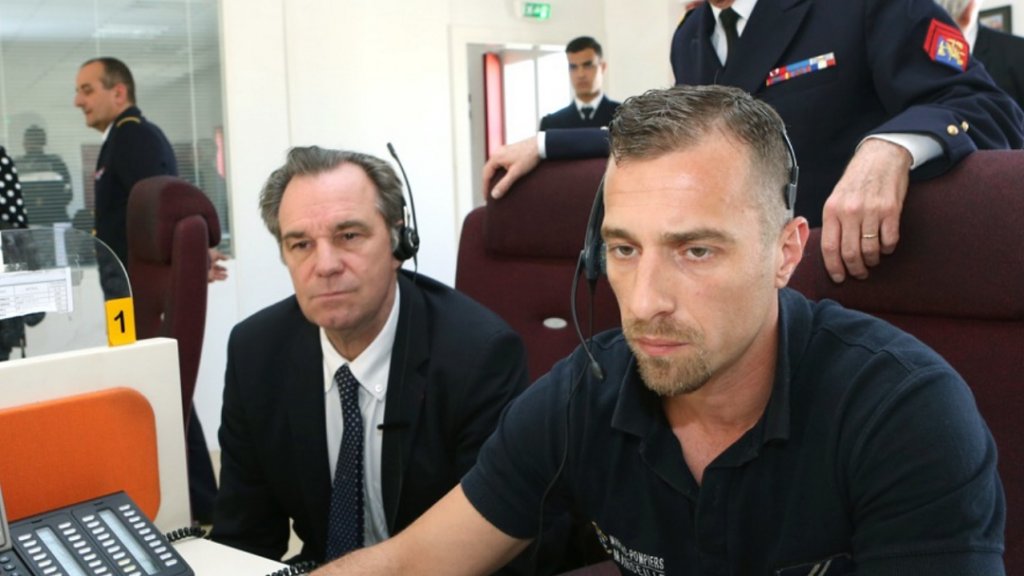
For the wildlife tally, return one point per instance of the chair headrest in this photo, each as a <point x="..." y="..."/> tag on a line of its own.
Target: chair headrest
<point x="155" y="206"/>
<point x="544" y="214"/>
<point x="961" y="248"/>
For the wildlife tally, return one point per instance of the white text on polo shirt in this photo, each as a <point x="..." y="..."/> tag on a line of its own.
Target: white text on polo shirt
<point x="628" y="559"/>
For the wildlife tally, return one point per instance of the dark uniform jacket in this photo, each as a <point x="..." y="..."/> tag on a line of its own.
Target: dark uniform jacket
<point x="1003" y="57"/>
<point x="134" y="149"/>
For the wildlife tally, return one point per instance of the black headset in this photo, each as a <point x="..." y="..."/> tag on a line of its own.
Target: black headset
<point x="408" y="239"/>
<point x="592" y="257"/>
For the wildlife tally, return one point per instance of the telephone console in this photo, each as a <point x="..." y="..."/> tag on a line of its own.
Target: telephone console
<point x="108" y="536"/>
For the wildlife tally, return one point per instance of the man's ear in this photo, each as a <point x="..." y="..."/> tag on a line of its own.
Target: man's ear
<point x="121" y="93"/>
<point x="791" y="245"/>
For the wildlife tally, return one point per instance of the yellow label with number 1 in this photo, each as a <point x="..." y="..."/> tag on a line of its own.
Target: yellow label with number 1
<point x="120" y="321"/>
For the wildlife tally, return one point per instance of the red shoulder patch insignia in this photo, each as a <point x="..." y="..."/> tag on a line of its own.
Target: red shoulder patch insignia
<point x="945" y="44"/>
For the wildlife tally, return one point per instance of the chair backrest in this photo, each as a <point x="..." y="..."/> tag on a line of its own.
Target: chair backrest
<point x="171" y="226"/>
<point x="518" y="255"/>
<point x="956" y="281"/>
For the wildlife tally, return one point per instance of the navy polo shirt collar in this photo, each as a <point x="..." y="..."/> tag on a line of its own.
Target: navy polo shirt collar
<point x="638" y="410"/>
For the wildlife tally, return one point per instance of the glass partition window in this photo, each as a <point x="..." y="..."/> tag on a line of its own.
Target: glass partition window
<point x="173" y="50"/>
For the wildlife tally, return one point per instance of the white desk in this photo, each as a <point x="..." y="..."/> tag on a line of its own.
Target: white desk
<point x="208" y="558"/>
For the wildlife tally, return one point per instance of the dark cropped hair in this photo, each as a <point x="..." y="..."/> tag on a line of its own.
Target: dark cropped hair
<point x="115" y="72"/>
<point x="582" y="43"/>
<point x="313" y="160"/>
<point x="35" y="136"/>
<point x="660" y="122"/>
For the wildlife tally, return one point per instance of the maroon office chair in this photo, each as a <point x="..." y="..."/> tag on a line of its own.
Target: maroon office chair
<point x="517" y="256"/>
<point x="171" y="226"/>
<point x="956" y="281"/>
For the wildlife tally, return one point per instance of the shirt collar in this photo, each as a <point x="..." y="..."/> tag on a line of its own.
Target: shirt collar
<point x="593" y="103"/>
<point x="374" y="363"/>
<point x="744" y="8"/>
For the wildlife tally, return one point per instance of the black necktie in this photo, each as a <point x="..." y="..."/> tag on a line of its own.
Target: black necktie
<point x="729" y="17"/>
<point x="588" y="112"/>
<point x="345" y="523"/>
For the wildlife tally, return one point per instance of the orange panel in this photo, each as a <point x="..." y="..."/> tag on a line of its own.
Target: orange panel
<point x="494" y="103"/>
<point x="72" y="449"/>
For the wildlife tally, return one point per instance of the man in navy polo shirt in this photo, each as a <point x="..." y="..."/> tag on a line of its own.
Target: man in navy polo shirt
<point x="731" y="426"/>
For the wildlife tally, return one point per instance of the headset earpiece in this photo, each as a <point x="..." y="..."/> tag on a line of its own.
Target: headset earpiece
<point x="408" y="243"/>
<point x="408" y="239"/>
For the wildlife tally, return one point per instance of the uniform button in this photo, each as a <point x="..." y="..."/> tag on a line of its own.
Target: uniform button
<point x="952" y="130"/>
<point x="964" y="125"/>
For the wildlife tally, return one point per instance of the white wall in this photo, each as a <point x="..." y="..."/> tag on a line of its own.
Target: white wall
<point x="360" y="73"/>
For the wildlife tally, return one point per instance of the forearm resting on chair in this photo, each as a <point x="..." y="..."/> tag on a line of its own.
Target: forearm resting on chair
<point x="451" y="538"/>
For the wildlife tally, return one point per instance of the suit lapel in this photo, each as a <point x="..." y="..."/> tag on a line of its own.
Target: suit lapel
<point x="981" y="46"/>
<point x="705" y="68"/>
<point x="771" y="28"/>
<point x="406" y="388"/>
<point x="307" y="421"/>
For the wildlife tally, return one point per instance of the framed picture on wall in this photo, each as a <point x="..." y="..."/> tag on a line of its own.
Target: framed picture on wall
<point x="997" y="18"/>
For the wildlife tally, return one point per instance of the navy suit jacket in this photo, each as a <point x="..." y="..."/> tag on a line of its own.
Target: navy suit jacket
<point x="883" y="81"/>
<point x="569" y="117"/>
<point x="1003" y="57"/>
<point x="454" y="367"/>
<point x="134" y="149"/>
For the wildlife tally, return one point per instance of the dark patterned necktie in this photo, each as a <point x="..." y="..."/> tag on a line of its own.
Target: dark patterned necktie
<point x="588" y="112"/>
<point x="345" y="523"/>
<point x="729" y="18"/>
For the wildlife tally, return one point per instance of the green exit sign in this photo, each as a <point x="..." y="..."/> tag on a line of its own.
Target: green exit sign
<point x="537" y="10"/>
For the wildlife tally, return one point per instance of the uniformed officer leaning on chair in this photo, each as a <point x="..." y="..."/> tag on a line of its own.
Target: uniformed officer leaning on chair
<point x="875" y="93"/>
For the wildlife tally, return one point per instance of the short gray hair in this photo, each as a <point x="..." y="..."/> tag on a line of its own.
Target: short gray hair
<point x="313" y="160"/>
<point x="660" y="122"/>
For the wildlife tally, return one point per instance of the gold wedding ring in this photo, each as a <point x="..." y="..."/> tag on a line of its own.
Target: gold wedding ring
<point x="869" y="236"/>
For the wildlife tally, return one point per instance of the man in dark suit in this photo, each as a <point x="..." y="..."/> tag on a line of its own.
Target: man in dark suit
<point x="590" y="108"/>
<point x="873" y="92"/>
<point x="432" y="372"/>
<point x="1001" y="53"/>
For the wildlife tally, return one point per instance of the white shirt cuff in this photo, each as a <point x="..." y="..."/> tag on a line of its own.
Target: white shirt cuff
<point x="922" y="147"/>
<point x="541" y="148"/>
